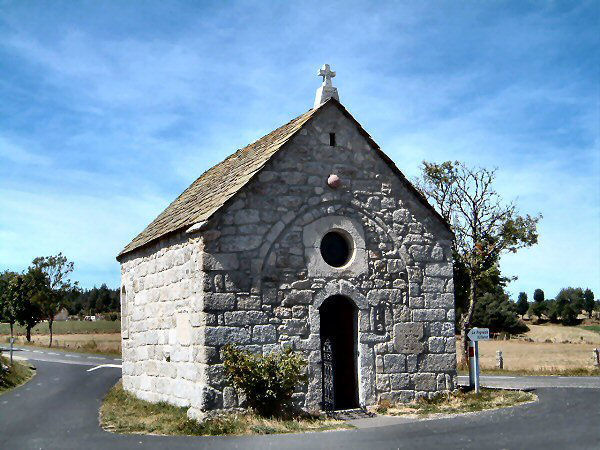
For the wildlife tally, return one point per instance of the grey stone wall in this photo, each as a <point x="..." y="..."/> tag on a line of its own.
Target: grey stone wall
<point x="264" y="281"/>
<point x="162" y="322"/>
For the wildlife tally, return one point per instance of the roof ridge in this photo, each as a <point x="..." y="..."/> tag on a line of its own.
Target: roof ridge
<point x="216" y="185"/>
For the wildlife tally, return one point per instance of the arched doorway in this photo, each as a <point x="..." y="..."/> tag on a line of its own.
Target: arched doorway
<point x="339" y="320"/>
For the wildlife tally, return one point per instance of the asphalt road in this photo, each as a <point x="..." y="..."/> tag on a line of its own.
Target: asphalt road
<point x="58" y="409"/>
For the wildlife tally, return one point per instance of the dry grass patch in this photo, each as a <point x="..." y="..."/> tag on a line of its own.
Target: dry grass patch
<point x="15" y="375"/>
<point x="459" y="402"/>
<point x="68" y="327"/>
<point x="536" y="356"/>
<point x="548" y="371"/>
<point x="104" y="343"/>
<point x="561" y="334"/>
<point x="121" y="412"/>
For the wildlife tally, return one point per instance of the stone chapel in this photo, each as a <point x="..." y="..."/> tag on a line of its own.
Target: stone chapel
<point x="310" y="237"/>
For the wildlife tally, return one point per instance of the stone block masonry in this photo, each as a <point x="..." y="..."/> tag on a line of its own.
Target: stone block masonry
<point x="253" y="276"/>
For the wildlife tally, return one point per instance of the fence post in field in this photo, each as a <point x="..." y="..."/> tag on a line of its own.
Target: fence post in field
<point x="500" y="359"/>
<point x="597" y="357"/>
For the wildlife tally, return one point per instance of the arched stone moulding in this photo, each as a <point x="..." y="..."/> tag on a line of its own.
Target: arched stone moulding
<point x="308" y="214"/>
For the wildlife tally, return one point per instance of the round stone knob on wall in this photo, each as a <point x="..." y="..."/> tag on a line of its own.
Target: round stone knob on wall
<point x="334" y="181"/>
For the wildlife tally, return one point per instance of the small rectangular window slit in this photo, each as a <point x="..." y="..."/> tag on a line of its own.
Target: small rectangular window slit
<point x="332" y="139"/>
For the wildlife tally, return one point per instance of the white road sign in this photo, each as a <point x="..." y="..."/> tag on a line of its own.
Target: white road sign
<point x="479" y="334"/>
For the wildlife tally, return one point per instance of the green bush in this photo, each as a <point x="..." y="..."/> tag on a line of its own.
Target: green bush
<point x="267" y="381"/>
<point x="569" y="315"/>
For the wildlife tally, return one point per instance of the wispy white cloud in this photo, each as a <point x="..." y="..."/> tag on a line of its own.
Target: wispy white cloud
<point x="112" y="111"/>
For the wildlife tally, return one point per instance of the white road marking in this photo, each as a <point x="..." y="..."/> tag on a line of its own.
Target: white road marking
<point x="118" y="359"/>
<point x="4" y="402"/>
<point x="55" y="354"/>
<point x="103" y="365"/>
<point x="36" y="351"/>
<point x="95" y="357"/>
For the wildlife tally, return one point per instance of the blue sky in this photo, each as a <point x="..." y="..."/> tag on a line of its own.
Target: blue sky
<point x="108" y="110"/>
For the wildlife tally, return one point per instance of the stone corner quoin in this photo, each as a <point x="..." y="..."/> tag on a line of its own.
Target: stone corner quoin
<point x="255" y="276"/>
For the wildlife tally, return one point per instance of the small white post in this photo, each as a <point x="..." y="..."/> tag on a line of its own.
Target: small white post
<point x="477" y="367"/>
<point x="471" y="365"/>
<point x="500" y="359"/>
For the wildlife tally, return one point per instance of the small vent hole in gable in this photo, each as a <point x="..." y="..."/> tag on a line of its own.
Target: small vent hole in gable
<point x="332" y="139"/>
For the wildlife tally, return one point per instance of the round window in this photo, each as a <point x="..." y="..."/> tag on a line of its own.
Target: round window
<point x="335" y="249"/>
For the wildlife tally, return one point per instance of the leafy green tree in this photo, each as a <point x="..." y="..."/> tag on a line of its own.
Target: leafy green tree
<point x="553" y="310"/>
<point x="11" y="297"/>
<point x="569" y="315"/>
<point x="104" y="299"/>
<point x="51" y="295"/>
<point x="588" y="302"/>
<point x="29" y="314"/>
<point x="538" y="296"/>
<point x="539" y="305"/>
<point x="484" y="226"/>
<point x="560" y="302"/>
<point x="496" y="312"/>
<point x="569" y="297"/>
<point x="522" y="304"/>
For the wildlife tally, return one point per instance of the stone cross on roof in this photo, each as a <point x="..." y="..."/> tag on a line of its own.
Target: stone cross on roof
<point x="327" y="74"/>
<point x="326" y="90"/>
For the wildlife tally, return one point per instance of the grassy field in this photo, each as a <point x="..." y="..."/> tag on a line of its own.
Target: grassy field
<point x="102" y="336"/>
<point x="560" y="334"/>
<point x="121" y="412"/>
<point x="109" y="344"/>
<point x="17" y="374"/>
<point x="68" y="327"/>
<point x="545" y="349"/>
<point x="460" y="402"/>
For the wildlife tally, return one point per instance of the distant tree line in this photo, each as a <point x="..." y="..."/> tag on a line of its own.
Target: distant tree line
<point x="93" y="301"/>
<point x="564" y="308"/>
<point x="44" y="289"/>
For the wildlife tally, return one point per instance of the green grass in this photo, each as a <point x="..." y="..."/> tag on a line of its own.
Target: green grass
<point x="460" y="402"/>
<point x="595" y="328"/>
<point x="121" y="412"/>
<point x="16" y="375"/>
<point x="68" y="327"/>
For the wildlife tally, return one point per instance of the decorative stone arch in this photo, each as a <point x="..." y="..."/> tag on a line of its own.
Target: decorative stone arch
<point x="340" y="287"/>
<point x="308" y="214"/>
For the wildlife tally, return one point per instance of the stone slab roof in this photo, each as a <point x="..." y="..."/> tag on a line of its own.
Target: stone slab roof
<point x="213" y="188"/>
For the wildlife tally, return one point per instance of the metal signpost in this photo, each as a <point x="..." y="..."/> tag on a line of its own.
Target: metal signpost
<point x="475" y="335"/>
